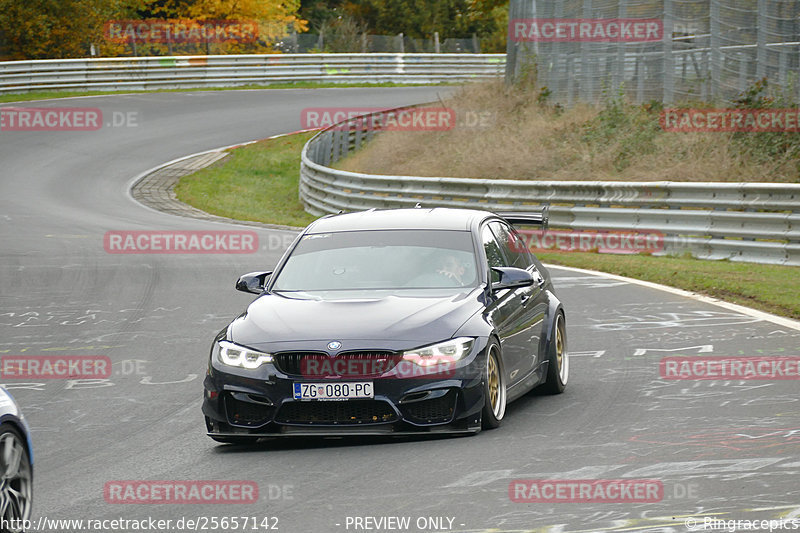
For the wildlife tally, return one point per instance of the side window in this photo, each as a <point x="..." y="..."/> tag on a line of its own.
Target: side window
<point x="493" y="254"/>
<point x="512" y="245"/>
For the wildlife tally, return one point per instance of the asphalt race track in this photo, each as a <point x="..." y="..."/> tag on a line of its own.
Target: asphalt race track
<point x="722" y="449"/>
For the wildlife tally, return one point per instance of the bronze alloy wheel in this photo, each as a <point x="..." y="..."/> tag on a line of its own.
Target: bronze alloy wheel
<point x="558" y="358"/>
<point x="495" y="407"/>
<point x="561" y="351"/>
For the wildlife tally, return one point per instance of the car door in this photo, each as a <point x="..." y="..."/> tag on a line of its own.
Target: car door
<point x="523" y="333"/>
<point x="506" y="309"/>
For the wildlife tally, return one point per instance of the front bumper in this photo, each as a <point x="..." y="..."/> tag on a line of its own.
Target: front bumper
<point x="261" y="403"/>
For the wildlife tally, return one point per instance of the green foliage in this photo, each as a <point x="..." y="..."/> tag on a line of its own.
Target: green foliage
<point x="418" y="19"/>
<point x="628" y="129"/>
<point x="767" y="147"/>
<point x="342" y="34"/>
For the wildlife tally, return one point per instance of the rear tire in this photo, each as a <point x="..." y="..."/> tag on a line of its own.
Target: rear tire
<point x="558" y="357"/>
<point x="494" y="388"/>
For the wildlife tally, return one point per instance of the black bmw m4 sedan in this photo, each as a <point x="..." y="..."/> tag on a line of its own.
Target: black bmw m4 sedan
<point x="389" y="322"/>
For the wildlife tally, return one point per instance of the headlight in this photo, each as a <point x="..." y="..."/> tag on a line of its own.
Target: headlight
<point x="441" y="353"/>
<point x="231" y="354"/>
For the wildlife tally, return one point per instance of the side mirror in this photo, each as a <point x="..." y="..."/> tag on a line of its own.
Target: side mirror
<point x="253" y="282"/>
<point x="511" y="278"/>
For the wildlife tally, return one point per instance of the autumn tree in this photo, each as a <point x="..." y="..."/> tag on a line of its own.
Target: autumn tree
<point x="42" y="29"/>
<point x="275" y="17"/>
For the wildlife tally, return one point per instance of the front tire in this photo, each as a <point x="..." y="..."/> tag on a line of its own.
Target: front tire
<point x="494" y="389"/>
<point x="16" y="484"/>
<point x="558" y="357"/>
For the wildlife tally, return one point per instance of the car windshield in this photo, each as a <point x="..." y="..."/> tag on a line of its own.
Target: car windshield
<point x="380" y="260"/>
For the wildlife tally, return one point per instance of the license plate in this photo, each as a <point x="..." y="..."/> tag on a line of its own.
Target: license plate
<point x="333" y="391"/>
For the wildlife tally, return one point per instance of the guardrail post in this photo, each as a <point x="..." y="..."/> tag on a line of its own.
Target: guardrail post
<point x="705" y="79"/>
<point x="557" y="58"/>
<point x="783" y="67"/>
<point x="587" y="80"/>
<point x="619" y="67"/>
<point x="570" y="80"/>
<point x="716" y="53"/>
<point x="640" y="66"/>
<point x="761" y="38"/>
<point x="742" y="71"/>
<point x="436" y="46"/>
<point x="518" y="54"/>
<point x="669" y="60"/>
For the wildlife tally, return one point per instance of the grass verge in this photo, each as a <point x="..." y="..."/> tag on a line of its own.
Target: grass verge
<point x="257" y="182"/>
<point x="771" y="288"/>
<point x="47" y="95"/>
<point x="260" y="181"/>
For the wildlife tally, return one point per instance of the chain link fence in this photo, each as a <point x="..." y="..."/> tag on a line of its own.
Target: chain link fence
<point x="708" y="50"/>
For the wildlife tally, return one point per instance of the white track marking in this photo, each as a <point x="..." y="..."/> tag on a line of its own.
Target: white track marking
<point x="761" y="315"/>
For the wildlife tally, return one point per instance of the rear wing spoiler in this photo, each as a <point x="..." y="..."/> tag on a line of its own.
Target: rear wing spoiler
<point x="528" y="218"/>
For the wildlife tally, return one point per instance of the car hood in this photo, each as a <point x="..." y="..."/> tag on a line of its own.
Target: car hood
<point x="276" y="322"/>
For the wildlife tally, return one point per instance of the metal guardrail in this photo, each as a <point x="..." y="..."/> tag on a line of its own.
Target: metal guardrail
<point x="141" y="73"/>
<point x="753" y="222"/>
